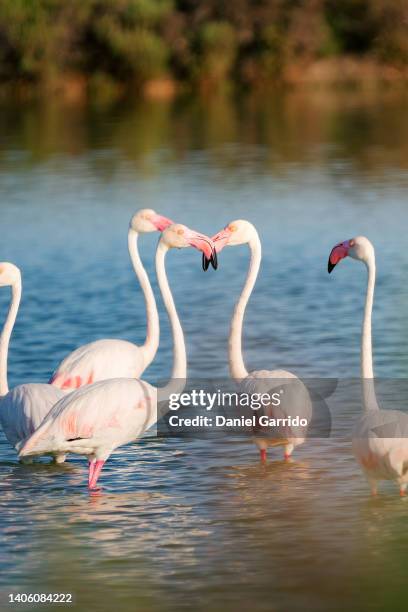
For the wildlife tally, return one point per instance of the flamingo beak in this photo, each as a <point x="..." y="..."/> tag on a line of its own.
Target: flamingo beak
<point x="340" y="251"/>
<point x="219" y="240"/>
<point x="213" y="260"/>
<point x="203" y="244"/>
<point x="205" y="263"/>
<point x="160" y="222"/>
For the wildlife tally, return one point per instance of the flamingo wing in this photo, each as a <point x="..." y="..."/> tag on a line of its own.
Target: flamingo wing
<point x="23" y="409"/>
<point x="99" y="360"/>
<point x="380" y="444"/>
<point x="96" y="419"/>
<point x="294" y="401"/>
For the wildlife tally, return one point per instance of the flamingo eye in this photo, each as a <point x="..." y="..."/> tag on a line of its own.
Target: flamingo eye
<point x="180" y="231"/>
<point x="352" y="243"/>
<point x="232" y="228"/>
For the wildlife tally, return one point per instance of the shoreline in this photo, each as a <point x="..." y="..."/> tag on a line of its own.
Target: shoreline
<point x="340" y="73"/>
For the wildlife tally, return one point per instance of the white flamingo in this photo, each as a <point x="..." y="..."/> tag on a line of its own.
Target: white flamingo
<point x="23" y="408"/>
<point x="111" y="358"/>
<point x="381" y="457"/>
<point x="296" y="399"/>
<point x="98" y="418"/>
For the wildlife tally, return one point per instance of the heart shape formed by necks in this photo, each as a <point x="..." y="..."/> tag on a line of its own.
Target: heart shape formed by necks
<point x="220" y="240"/>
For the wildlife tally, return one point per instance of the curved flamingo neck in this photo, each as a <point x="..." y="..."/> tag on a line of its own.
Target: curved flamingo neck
<point x="151" y="344"/>
<point x="236" y="360"/>
<point x="179" y="370"/>
<point x="6" y="335"/>
<point x="366" y="358"/>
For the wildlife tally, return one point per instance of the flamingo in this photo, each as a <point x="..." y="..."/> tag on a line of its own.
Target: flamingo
<point x="297" y="398"/>
<point x="380" y="457"/>
<point x="111" y="358"/>
<point x="23" y="408"/>
<point x="98" y="418"/>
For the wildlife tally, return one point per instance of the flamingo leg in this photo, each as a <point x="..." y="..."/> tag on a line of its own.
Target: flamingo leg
<point x="288" y="451"/>
<point x="59" y="458"/>
<point x="263" y="455"/>
<point x="26" y="460"/>
<point x="95" y="468"/>
<point x="91" y="468"/>
<point x="373" y="486"/>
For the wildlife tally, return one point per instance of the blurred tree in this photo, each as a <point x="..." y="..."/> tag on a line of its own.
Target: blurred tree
<point x="38" y="38"/>
<point x="202" y="42"/>
<point x="124" y="38"/>
<point x="391" y="43"/>
<point x="354" y="24"/>
<point x="215" y="52"/>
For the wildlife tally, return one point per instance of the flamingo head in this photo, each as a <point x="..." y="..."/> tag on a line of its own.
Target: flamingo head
<point x="9" y="274"/>
<point x="235" y="233"/>
<point x="358" y="248"/>
<point x="178" y="236"/>
<point x="147" y="220"/>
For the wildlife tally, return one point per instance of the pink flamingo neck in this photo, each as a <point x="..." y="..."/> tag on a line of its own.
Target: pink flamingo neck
<point x="236" y="360"/>
<point x="179" y="370"/>
<point x="16" y="290"/>
<point x="366" y="357"/>
<point x="151" y="344"/>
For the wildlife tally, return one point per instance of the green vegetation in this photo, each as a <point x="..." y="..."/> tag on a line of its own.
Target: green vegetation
<point x="199" y="43"/>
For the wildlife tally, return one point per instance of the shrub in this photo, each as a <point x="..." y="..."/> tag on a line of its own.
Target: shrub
<point x="216" y="51"/>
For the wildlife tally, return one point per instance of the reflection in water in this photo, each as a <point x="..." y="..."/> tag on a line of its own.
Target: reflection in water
<point x="200" y="523"/>
<point x="340" y="129"/>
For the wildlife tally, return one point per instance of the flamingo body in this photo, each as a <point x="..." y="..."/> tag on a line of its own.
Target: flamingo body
<point x="23" y="409"/>
<point x="382" y="458"/>
<point x="110" y="358"/>
<point x="295" y="400"/>
<point x="237" y="233"/>
<point x="380" y="437"/>
<point x="99" y="360"/>
<point x="96" y="419"/>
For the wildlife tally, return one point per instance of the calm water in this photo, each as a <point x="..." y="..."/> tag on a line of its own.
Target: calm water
<point x="200" y="524"/>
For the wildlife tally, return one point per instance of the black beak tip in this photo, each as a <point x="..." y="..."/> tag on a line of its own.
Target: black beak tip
<point x="214" y="259"/>
<point x="330" y="266"/>
<point x="205" y="263"/>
